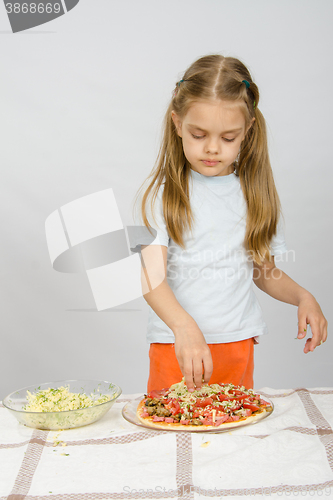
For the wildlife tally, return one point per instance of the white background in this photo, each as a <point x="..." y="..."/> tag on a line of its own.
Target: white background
<point x="82" y="101"/>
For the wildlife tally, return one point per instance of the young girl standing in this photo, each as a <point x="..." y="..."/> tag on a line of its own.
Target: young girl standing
<point x="213" y="204"/>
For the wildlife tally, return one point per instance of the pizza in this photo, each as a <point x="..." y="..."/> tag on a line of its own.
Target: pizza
<point x="215" y="406"/>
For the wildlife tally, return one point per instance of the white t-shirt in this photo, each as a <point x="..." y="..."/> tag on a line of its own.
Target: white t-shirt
<point x="212" y="277"/>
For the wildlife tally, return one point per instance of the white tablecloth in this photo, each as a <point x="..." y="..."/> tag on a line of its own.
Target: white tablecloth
<point x="288" y="454"/>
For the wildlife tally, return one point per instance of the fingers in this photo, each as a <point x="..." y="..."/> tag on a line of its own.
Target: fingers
<point x="193" y="375"/>
<point x="302" y="327"/>
<point x="324" y="337"/>
<point x="208" y="368"/>
<point x="318" y="330"/>
<point x="194" y="357"/>
<point x="189" y="376"/>
<point x="319" y="336"/>
<point x="310" y="313"/>
<point x="197" y="371"/>
<point x="307" y="346"/>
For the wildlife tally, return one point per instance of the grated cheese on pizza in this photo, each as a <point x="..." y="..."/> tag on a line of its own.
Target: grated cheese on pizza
<point x="210" y="406"/>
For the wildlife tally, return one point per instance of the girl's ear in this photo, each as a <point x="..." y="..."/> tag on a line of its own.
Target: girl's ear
<point x="177" y="122"/>
<point x="251" y="123"/>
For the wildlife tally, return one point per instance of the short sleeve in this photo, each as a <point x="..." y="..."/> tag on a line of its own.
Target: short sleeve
<point x="158" y="234"/>
<point x="278" y="242"/>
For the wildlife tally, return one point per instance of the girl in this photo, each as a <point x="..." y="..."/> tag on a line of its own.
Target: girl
<point x="213" y="205"/>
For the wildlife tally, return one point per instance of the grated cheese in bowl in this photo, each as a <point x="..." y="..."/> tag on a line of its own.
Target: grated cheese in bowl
<point x="61" y="399"/>
<point x="63" y="404"/>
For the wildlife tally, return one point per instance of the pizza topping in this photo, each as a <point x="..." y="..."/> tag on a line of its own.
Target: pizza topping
<point x="152" y="402"/>
<point x="158" y="419"/>
<point x="156" y="407"/>
<point x="210" y="405"/>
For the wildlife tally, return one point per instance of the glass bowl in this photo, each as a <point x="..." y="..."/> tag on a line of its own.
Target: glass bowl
<point x="57" y="420"/>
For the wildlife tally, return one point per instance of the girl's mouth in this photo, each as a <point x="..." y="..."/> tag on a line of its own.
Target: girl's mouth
<point x="210" y="163"/>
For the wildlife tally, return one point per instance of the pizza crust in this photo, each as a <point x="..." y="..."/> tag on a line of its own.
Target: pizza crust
<point x="148" y="421"/>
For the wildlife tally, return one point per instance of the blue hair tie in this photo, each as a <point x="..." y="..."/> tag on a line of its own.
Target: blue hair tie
<point x="180" y="81"/>
<point x="246" y="83"/>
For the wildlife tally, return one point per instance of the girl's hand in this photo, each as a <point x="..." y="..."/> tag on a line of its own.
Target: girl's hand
<point x="309" y="313"/>
<point x="193" y="355"/>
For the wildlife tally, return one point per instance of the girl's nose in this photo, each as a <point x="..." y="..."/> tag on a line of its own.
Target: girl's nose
<point x="212" y="147"/>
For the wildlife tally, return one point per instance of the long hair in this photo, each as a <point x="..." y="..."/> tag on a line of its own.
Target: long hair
<point x="215" y="77"/>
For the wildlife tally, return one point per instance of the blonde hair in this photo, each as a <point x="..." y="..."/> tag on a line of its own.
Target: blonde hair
<point x="217" y="77"/>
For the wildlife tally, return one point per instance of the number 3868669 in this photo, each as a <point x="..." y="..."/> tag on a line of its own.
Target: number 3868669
<point x="32" y="8"/>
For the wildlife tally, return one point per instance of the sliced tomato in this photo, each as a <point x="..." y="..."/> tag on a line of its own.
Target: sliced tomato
<point x="224" y="397"/>
<point x="202" y="403"/>
<point x="207" y="412"/>
<point x="250" y="399"/>
<point x="251" y="407"/>
<point x="174" y="406"/>
<point x="241" y="398"/>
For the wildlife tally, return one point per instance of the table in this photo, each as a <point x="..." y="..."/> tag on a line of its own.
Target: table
<point x="288" y="454"/>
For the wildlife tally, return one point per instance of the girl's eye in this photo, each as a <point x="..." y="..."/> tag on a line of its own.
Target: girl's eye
<point x="202" y="137"/>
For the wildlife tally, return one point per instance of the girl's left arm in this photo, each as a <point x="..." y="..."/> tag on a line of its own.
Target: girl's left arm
<point x="279" y="285"/>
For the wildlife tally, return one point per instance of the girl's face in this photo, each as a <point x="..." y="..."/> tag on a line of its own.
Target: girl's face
<point x="212" y="132"/>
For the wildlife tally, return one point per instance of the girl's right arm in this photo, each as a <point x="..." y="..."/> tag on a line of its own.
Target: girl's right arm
<point x="192" y="351"/>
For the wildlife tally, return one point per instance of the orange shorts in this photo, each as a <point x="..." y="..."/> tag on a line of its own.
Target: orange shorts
<point x="232" y="363"/>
